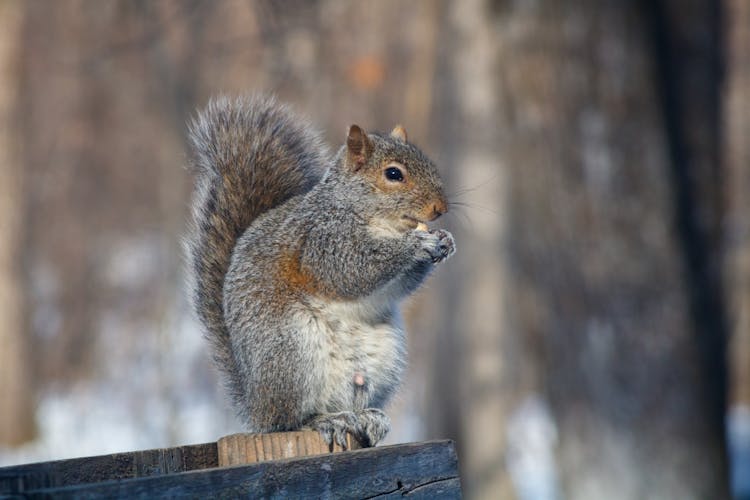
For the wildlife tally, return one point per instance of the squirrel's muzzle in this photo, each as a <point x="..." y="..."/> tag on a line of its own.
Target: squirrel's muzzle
<point x="438" y="209"/>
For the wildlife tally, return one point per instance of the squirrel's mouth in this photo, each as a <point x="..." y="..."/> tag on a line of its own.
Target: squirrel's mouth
<point x="415" y="223"/>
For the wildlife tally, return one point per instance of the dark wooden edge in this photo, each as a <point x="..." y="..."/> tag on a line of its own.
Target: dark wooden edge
<point x="145" y="463"/>
<point x="428" y="469"/>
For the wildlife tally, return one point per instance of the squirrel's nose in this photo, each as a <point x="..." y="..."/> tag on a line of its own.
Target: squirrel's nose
<point x="439" y="209"/>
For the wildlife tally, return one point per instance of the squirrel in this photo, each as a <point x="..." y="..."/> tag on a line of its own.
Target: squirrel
<point x="299" y="258"/>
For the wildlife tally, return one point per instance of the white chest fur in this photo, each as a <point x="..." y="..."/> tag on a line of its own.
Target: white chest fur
<point x="355" y="340"/>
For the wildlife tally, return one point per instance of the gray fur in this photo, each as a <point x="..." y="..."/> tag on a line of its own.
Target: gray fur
<point x="299" y="262"/>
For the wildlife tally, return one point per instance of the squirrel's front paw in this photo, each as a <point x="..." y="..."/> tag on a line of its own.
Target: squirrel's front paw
<point x="438" y="244"/>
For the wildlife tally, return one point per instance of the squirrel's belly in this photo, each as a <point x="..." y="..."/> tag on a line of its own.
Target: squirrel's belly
<point x="360" y="352"/>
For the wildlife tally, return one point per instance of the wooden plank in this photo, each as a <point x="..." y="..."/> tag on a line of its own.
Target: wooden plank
<point x="244" y="448"/>
<point x="20" y="478"/>
<point x="421" y="470"/>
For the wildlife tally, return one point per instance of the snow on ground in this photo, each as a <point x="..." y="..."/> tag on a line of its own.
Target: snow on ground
<point x="154" y="390"/>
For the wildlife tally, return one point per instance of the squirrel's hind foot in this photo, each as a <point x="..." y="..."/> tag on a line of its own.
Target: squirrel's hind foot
<point x="373" y="425"/>
<point x="334" y="426"/>
<point x="367" y="426"/>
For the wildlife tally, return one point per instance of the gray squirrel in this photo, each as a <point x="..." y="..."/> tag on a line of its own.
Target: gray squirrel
<point x="299" y="258"/>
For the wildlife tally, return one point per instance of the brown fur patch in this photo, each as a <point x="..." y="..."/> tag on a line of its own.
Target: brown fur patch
<point x="291" y="273"/>
<point x="297" y="279"/>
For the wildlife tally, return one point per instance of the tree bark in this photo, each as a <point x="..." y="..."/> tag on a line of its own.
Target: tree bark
<point x="736" y="127"/>
<point x="604" y="285"/>
<point x="16" y="393"/>
<point x="737" y="184"/>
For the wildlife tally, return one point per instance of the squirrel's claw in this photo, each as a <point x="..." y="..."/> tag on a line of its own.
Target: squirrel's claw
<point x="438" y="244"/>
<point x="446" y="245"/>
<point x="333" y="427"/>
<point x="372" y="426"/>
<point x="368" y="427"/>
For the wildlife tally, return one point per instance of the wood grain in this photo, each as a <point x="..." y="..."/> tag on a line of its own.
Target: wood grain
<point x="245" y="448"/>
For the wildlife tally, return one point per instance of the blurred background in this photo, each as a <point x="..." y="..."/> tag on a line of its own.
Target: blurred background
<point x="590" y="339"/>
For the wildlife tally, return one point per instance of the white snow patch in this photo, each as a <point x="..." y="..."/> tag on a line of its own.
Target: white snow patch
<point x="532" y="437"/>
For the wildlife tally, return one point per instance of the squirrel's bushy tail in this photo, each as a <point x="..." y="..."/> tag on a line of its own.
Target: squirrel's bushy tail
<point x="249" y="155"/>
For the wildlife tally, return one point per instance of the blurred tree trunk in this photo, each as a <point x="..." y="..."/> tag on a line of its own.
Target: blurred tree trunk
<point x="16" y="394"/>
<point x="685" y="41"/>
<point x="737" y="161"/>
<point x="736" y="127"/>
<point x="609" y="255"/>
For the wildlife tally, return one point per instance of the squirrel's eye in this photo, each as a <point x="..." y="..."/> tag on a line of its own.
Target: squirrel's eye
<point x="394" y="174"/>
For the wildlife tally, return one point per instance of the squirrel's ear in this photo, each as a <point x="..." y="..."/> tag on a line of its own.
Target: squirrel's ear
<point x="399" y="133"/>
<point x="358" y="147"/>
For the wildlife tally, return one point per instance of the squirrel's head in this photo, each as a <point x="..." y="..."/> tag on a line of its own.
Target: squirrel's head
<point x="410" y="191"/>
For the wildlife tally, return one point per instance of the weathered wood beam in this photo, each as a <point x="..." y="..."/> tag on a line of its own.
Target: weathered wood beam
<point x="428" y="469"/>
<point x="20" y="478"/>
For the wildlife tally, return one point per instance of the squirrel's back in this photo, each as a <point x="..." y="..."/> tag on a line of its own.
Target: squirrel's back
<point x="249" y="155"/>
